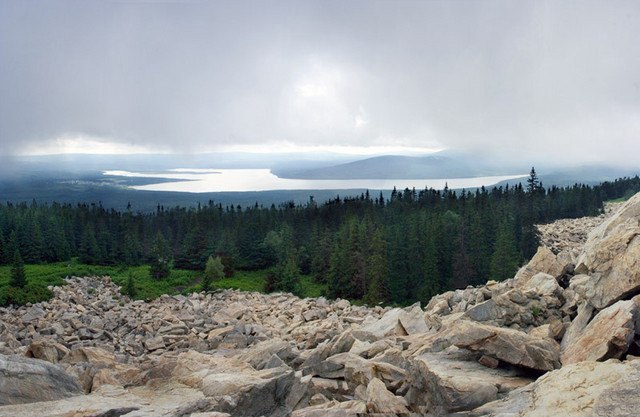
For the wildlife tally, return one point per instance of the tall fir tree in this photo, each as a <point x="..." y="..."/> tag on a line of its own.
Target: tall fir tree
<point x="160" y="263"/>
<point x="505" y="258"/>
<point x="378" y="271"/>
<point x="89" y="252"/>
<point x="130" y="287"/>
<point x="18" y="275"/>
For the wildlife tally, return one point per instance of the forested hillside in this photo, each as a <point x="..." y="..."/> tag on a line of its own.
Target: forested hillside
<point x="414" y="245"/>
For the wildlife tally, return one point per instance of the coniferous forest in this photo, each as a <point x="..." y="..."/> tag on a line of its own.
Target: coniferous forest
<point x="409" y="247"/>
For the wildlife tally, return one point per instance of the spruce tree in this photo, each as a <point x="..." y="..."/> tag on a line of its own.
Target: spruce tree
<point x="377" y="270"/>
<point x="505" y="259"/>
<point x="3" y="250"/>
<point x="431" y="279"/>
<point x="130" y="287"/>
<point x="18" y="275"/>
<point x="533" y="183"/>
<point x="160" y="265"/>
<point x="89" y="251"/>
<point x="289" y="276"/>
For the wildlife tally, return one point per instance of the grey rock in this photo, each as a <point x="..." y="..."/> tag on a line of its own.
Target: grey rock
<point x="26" y="380"/>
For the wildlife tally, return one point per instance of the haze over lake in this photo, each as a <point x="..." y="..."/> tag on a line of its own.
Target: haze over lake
<point x="239" y="180"/>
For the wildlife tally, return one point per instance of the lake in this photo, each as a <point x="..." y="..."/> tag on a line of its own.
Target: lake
<point x="240" y="180"/>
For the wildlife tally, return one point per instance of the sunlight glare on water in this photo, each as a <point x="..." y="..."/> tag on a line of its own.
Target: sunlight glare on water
<point x="225" y="180"/>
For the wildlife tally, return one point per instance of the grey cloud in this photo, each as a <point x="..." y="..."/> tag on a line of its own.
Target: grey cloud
<point x="520" y="78"/>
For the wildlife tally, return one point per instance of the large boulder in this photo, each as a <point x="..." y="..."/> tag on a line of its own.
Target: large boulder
<point x="607" y="336"/>
<point x="611" y="257"/>
<point x="578" y="324"/>
<point x="453" y="380"/>
<point x="164" y="400"/>
<point x="261" y="353"/>
<point x="585" y="389"/>
<point x="395" y="322"/>
<point x="237" y="386"/>
<point x="543" y="261"/>
<point x="380" y="400"/>
<point x="508" y="345"/>
<point x="47" y="350"/>
<point x="27" y="380"/>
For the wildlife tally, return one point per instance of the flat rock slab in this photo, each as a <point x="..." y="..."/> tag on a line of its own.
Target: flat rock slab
<point x="112" y="401"/>
<point x="607" y="336"/>
<point x="585" y="389"/>
<point x="508" y="345"/>
<point x="446" y="382"/>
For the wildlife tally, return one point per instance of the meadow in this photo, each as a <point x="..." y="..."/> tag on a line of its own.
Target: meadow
<point x="180" y="281"/>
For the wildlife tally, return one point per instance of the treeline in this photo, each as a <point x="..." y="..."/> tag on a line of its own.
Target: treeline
<point x="409" y="247"/>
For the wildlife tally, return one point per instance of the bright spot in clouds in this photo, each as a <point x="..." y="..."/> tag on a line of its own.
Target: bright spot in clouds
<point x="312" y="90"/>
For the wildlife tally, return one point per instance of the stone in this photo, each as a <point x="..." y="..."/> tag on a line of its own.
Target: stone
<point x="489" y="362"/>
<point x="584" y="389"/>
<point x="32" y="314"/>
<point x="578" y="324"/>
<point x="335" y="389"/>
<point x="111" y="401"/>
<point x="453" y="380"/>
<point x="318" y="399"/>
<point x="380" y="400"/>
<point x="333" y="409"/>
<point x="387" y="325"/>
<point x="543" y="261"/>
<point x="95" y="356"/>
<point x="607" y="336"/>
<point x="611" y="256"/>
<point x="364" y="372"/>
<point x="26" y="380"/>
<point x="544" y="284"/>
<point x="412" y="320"/>
<point x="343" y="343"/>
<point x="395" y="322"/>
<point x="508" y="345"/>
<point x="47" y="350"/>
<point x="103" y="377"/>
<point x="154" y="343"/>
<point x="259" y="354"/>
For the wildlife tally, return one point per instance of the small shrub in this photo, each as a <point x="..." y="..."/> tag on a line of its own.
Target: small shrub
<point x="536" y="311"/>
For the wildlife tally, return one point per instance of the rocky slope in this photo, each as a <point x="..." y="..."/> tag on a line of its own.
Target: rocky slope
<point x="571" y="234"/>
<point x="560" y="338"/>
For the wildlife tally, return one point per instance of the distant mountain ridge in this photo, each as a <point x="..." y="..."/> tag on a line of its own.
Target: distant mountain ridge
<point x="436" y="166"/>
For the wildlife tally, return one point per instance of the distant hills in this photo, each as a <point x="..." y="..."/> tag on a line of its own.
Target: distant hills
<point x="435" y="166"/>
<point x="79" y="178"/>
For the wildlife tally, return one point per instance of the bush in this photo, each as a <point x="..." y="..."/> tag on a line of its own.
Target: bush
<point x="21" y="296"/>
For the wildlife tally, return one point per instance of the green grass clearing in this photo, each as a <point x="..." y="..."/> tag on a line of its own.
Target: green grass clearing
<point x="179" y="281"/>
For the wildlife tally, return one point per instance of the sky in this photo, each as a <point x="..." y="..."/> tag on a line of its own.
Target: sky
<point x="547" y="79"/>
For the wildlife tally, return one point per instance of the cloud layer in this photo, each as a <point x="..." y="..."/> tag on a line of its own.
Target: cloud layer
<point x="523" y="78"/>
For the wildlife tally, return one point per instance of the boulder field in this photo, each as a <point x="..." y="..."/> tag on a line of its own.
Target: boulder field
<point x="560" y="338"/>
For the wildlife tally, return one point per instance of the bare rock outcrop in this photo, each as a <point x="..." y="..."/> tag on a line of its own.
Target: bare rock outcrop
<point x="611" y="257"/>
<point x="607" y="336"/>
<point x="585" y="389"/>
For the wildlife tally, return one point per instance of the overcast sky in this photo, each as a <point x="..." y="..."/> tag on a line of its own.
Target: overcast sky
<point x="557" y="78"/>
